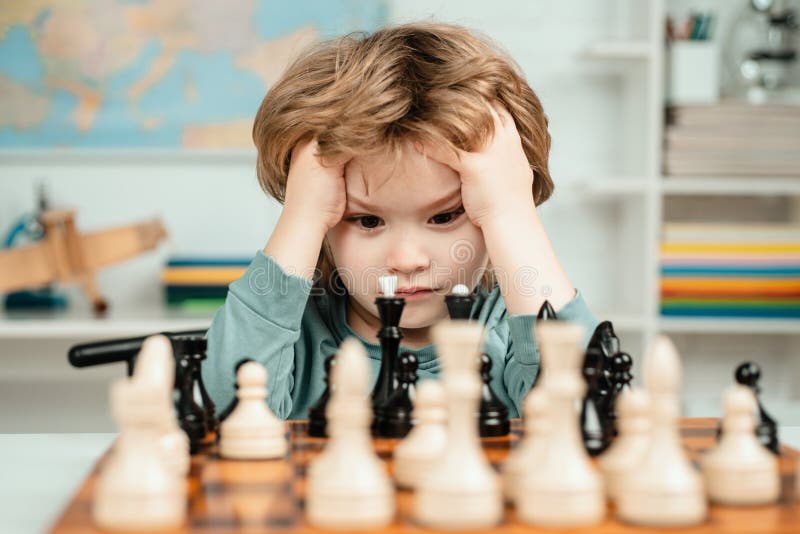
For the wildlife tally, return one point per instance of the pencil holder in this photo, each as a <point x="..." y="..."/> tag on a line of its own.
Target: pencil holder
<point x="693" y="73"/>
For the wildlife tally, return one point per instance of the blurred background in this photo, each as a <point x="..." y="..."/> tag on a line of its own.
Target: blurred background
<point x="676" y="158"/>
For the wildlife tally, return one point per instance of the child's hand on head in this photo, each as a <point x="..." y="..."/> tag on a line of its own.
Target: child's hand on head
<point x="495" y="180"/>
<point x="315" y="188"/>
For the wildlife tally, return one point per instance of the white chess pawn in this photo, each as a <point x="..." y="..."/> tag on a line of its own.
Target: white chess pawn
<point x="252" y="431"/>
<point x="533" y="445"/>
<point x="739" y="470"/>
<point x="155" y="365"/>
<point x="563" y="489"/>
<point x="348" y="486"/>
<point x="628" y="450"/>
<point x="663" y="489"/>
<point x="137" y="489"/>
<point x="462" y="491"/>
<point x="424" y="445"/>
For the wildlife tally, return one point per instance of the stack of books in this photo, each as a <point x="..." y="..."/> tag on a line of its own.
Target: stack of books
<point x="730" y="270"/>
<point x="200" y="283"/>
<point x="732" y="138"/>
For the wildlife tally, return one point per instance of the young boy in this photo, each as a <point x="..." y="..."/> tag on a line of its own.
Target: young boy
<point x="421" y="152"/>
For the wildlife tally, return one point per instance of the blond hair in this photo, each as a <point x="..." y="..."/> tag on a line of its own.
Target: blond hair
<point x="360" y="94"/>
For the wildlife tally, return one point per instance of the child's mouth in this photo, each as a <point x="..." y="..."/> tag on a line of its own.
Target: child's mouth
<point x="415" y="294"/>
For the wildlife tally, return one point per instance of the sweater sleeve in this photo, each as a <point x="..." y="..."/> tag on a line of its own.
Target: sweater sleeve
<point x="522" y="358"/>
<point x="260" y="320"/>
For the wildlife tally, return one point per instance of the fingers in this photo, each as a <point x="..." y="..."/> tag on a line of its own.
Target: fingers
<point x="501" y="114"/>
<point x="441" y="153"/>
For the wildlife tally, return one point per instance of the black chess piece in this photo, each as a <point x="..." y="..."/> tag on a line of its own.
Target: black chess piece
<point x="748" y="374"/>
<point x="595" y="427"/>
<point x="546" y="313"/>
<point x="621" y="364"/>
<point x="196" y="348"/>
<point x="605" y="343"/>
<point x="390" y="308"/>
<point x="235" y="401"/>
<point x="459" y="306"/>
<point x="605" y="339"/>
<point x="191" y="417"/>
<point x="317" y="417"/>
<point x="394" y="419"/>
<point x="493" y="413"/>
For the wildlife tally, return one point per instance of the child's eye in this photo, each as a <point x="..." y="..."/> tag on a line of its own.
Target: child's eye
<point x="366" y="222"/>
<point x="450" y="216"/>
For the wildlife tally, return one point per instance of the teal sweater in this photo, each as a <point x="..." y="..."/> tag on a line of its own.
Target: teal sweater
<point x="276" y="319"/>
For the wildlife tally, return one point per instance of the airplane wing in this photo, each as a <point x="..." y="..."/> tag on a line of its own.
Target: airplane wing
<point x="112" y="246"/>
<point x="26" y="267"/>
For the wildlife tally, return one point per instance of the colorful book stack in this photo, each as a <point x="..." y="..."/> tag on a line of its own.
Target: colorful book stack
<point x="747" y="271"/>
<point x="200" y="283"/>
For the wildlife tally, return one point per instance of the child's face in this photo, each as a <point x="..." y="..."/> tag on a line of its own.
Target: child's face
<point x="393" y="224"/>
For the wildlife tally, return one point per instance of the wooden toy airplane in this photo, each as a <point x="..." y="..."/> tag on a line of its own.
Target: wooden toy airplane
<point x="67" y="256"/>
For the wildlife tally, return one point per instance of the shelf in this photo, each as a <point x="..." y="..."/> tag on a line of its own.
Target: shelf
<point x="604" y="186"/>
<point x="79" y="323"/>
<point x="619" y="50"/>
<point x="727" y="185"/>
<point x="708" y="325"/>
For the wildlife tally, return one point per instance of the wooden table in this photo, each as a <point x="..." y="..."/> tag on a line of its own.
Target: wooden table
<point x="268" y="496"/>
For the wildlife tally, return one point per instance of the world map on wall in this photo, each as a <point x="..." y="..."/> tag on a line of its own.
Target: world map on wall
<point x="153" y="73"/>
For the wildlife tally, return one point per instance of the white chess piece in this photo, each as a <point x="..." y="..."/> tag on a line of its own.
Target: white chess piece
<point x="137" y="489"/>
<point x="421" y="449"/>
<point x="155" y="365"/>
<point x="628" y="450"/>
<point x="462" y="491"/>
<point x="461" y="290"/>
<point x="664" y="489"/>
<point x="563" y="489"/>
<point x="388" y="285"/>
<point x="739" y="470"/>
<point x="252" y="431"/>
<point x="533" y="445"/>
<point x="348" y="486"/>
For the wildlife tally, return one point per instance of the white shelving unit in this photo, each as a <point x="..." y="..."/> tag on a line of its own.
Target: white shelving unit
<point x="745" y="327"/>
<point x="711" y="347"/>
<point x="728" y="186"/>
<point x="81" y="324"/>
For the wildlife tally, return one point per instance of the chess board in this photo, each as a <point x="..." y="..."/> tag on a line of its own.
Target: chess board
<point x="228" y="496"/>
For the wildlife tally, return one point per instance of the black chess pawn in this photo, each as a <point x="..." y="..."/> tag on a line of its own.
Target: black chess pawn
<point x="394" y="419"/>
<point x="621" y="364"/>
<point x="235" y="401"/>
<point x="493" y="413"/>
<point x="546" y="313"/>
<point x="191" y="417"/>
<point x="595" y="427"/>
<point x="317" y="418"/>
<point x="748" y="374"/>
<point x="390" y="308"/>
<point x="459" y="302"/>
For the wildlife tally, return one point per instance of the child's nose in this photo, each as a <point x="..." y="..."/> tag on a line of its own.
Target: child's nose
<point x="407" y="256"/>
